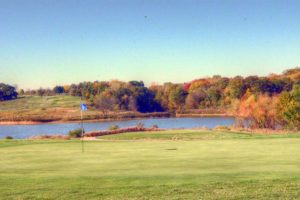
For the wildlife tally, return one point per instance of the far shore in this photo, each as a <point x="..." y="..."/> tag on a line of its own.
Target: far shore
<point x="108" y="120"/>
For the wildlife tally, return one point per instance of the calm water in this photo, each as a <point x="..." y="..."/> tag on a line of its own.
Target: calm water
<point x="25" y="131"/>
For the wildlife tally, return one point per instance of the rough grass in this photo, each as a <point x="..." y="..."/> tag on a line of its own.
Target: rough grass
<point x="58" y="108"/>
<point x="225" y="166"/>
<point x="36" y="108"/>
<point x="37" y="102"/>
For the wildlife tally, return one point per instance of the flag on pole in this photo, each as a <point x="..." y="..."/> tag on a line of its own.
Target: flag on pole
<point x="83" y="107"/>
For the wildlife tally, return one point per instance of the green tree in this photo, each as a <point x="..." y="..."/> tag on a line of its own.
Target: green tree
<point x="236" y="87"/>
<point x="58" y="89"/>
<point x="288" y="109"/>
<point x="177" y="98"/>
<point x="21" y="92"/>
<point x="7" y="92"/>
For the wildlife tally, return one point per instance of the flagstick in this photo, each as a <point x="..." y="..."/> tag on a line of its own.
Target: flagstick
<point x="82" y="134"/>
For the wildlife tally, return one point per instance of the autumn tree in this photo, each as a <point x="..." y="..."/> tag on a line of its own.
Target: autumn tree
<point x="21" y="92"/>
<point x="196" y="99"/>
<point x="41" y="92"/>
<point x="123" y="96"/>
<point x="258" y="111"/>
<point x="177" y="98"/>
<point x="105" y="103"/>
<point x="236" y="87"/>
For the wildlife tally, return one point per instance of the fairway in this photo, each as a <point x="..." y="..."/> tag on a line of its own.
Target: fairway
<point x="222" y="166"/>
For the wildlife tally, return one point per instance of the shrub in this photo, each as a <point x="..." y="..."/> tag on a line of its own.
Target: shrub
<point x="113" y="127"/>
<point x="140" y="125"/>
<point x="154" y="126"/>
<point x="9" y="137"/>
<point x="225" y="128"/>
<point x="50" y="137"/>
<point x="121" y="130"/>
<point x="75" y="133"/>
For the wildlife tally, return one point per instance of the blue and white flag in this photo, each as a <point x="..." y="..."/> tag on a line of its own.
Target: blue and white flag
<point x="83" y="106"/>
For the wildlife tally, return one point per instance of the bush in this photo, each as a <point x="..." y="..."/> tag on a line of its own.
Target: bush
<point x="140" y="125"/>
<point x="50" y="137"/>
<point x="222" y="128"/>
<point x="75" y="133"/>
<point x="154" y="126"/>
<point x="9" y="137"/>
<point x="113" y="127"/>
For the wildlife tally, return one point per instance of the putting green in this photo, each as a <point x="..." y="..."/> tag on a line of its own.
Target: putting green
<point x="233" y="166"/>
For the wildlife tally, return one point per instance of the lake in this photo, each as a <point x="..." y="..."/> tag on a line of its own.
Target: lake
<point x="25" y="131"/>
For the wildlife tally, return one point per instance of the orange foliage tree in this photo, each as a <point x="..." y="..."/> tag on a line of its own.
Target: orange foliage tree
<point x="258" y="111"/>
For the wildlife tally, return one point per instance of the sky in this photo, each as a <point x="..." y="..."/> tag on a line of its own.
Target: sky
<point x="44" y="43"/>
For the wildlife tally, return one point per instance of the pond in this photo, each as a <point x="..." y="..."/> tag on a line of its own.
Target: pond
<point x="25" y="131"/>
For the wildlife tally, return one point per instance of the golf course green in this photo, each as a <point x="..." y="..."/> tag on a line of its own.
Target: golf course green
<point x="185" y="164"/>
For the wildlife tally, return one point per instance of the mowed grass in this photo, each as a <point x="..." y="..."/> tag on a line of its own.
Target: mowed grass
<point x="195" y="135"/>
<point x="223" y="166"/>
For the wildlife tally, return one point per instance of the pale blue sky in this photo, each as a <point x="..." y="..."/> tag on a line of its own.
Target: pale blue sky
<point x="49" y="42"/>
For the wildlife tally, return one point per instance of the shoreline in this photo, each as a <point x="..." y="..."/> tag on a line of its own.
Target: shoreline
<point x="179" y="115"/>
<point x="110" y="119"/>
<point x="94" y="135"/>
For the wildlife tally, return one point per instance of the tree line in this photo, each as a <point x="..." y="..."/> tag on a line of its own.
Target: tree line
<point x="264" y="101"/>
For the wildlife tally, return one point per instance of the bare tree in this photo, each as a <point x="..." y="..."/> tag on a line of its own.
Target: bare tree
<point x="105" y="103"/>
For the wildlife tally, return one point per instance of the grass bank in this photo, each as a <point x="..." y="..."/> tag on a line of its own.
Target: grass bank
<point x="198" y="165"/>
<point x="36" y="109"/>
<point x="197" y="135"/>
